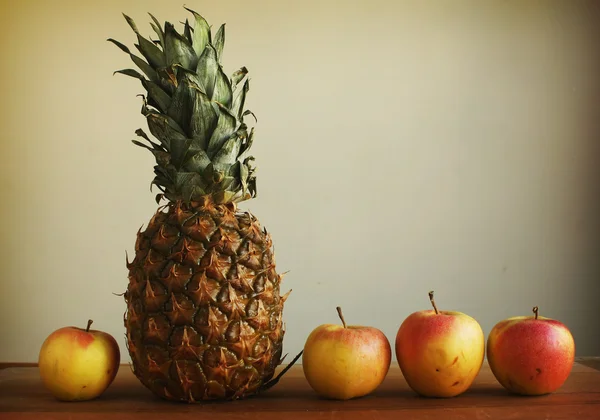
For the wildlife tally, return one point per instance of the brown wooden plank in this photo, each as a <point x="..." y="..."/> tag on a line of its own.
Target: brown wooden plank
<point x="566" y="412"/>
<point x="23" y="397"/>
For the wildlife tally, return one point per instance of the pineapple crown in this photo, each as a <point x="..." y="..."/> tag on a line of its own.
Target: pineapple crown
<point x="195" y="111"/>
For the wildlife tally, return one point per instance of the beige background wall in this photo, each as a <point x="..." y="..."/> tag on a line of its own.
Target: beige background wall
<point x="402" y="147"/>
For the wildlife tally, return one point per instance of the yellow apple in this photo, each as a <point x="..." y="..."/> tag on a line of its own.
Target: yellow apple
<point x="440" y="352"/>
<point x="345" y="361"/>
<point x="78" y="364"/>
<point x="531" y="355"/>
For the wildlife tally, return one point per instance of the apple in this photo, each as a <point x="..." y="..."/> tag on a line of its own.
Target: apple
<point x="345" y="361"/>
<point x="78" y="364"/>
<point x="531" y="355"/>
<point x="439" y="352"/>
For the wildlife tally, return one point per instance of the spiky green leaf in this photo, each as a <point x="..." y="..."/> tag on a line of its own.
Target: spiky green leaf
<point x="130" y="73"/>
<point x="140" y="144"/>
<point x="228" y="154"/>
<point x="162" y="158"/>
<point x="131" y="23"/>
<point x="249" y="177"/>
<point x="248" y="112"/>
<point x="170" y="135"/>
<point x="148" y="49"/>
<point x="229" y="183"/>
<point x="164" y="175"/>
<point x="226" y="126"/>
<point x="151" y="52"/>
<point x="156" y="95"/>
<point x="197" y="162"/>
<point x="187" y="32"/>
<point x="120" y="45"/>
<point x="186" y="179"/>
<point x="183" y="100"/>
<point x="168" y="79"/>
<point x="161" y="39"/>
<point x="165" y="129"/>
<point x="201" y="34"/>
<point x="142" y="65"/>
<point x="243" y="177"/>
<point x="207" y="70"/>
<point x="213" y="177"/>
<point x="247" y="144"/>
<point x="238" y="76"/>
<point x="159" y="96"/>
<point x="222" y="92"/>
<point x="157" y="28"/>
<point x="143" y="135"/>
<point x="145" y="67"/>
<point x="204" y="120"/>
<point x="177" y="48"/>
<point x="219" y="42"/>
<point x="240" y="100"/>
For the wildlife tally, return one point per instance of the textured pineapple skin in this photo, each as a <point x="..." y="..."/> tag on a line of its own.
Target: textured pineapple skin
<point x="204" y="312"/>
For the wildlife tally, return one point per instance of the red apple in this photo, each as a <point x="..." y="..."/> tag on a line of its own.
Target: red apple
<point x="78" y="364"/>
<point x="439" y="352"/>
<point x="531" y="355"/>
<point x="345" y="361"/>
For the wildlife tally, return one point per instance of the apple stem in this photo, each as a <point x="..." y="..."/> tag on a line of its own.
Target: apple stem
<point x="89" y="324"/>
<point x="433" y="302"/>
<point x="536" y="311"/>
<point x="339" y="311"/>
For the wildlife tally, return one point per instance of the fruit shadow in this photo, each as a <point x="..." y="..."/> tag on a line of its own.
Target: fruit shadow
<point x="148" y="402"/>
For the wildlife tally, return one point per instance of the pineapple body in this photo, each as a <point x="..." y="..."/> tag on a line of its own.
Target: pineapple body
<point x="204" y="313"/>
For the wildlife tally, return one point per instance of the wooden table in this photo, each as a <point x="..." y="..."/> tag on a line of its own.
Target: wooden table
<point x="23" y="397"/>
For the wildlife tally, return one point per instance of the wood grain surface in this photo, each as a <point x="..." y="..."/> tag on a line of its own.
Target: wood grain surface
<point x="22" y="396"/>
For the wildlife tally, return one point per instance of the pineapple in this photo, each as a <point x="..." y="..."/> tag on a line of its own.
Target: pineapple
<point x="204" y="310"/>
